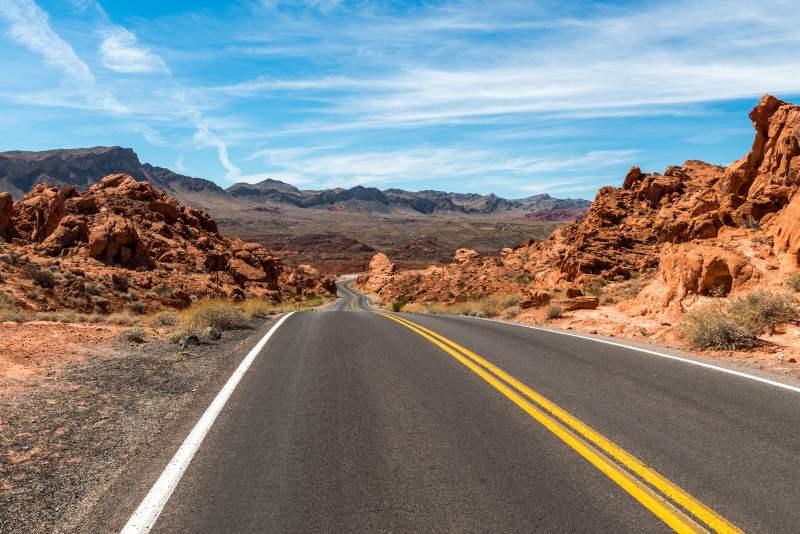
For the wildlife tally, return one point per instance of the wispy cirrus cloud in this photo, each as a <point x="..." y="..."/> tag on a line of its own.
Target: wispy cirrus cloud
<point x="420" y="164"/>
<point x="120" y="52"/>
<point x="29" y="26"/>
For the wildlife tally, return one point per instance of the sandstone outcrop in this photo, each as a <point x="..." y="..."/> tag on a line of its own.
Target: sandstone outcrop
<point x="675" y="238"/>
<point x="379" y="274"/>
<point x="135" y="240"/>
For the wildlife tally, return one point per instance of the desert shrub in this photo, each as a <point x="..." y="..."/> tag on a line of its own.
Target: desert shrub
<point x="167" y="318"/>
<point x="132" y="294"/>
<point x="164" y="291"/>
<point x="711" y="327"/>
<point x="512" y="300"/>
<point x="134" y="335"/>
<point x="11" y="257"/>
<point x="511" y="312"/>
<point x="554" y="311"/>
<point x="177" y="337"/>
<point x="44" y="278"/>
<point x="763" y="310"/>
<point x="717" y="291"/>
<point x="221" y="315"/>
<point x="461" y="308"/>
<point x="751" y="224"/>
<point x="477" y="313"/>
<point x="793" y="282"/>
<point x="78" y="302"/>
<point x="94" y="289"/>
<point x="491" y="305"/>
<point x="738" y="324"/>
<point x="398" y="304"/>
<point x="595" y="287"/>
<point x="13" y="314"/>
<point x="138" y="306"/>
<point x="257" y="308"/>
<point x="628" y="290"/>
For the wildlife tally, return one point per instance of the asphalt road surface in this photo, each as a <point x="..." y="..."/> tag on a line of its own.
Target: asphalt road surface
<point x="357" y="420"/>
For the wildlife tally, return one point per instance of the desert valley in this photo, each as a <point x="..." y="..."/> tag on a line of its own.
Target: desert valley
<point x="699" y="257"/>
<point x="336" y="266"/>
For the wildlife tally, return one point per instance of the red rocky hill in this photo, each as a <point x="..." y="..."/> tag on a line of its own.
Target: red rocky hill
<point x="131" y="239"/>
<point x="691" y="231"/>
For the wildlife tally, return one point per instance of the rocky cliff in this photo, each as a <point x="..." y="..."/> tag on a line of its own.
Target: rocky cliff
<point x="692" y="231"/>
<point x="20" y="171"/>
<point x="137" y="239"/>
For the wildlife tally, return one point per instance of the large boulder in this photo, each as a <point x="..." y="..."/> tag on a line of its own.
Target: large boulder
<point x="40" y="212"/>
<point x="379" y="274"/>
<point x="71" y="229"/>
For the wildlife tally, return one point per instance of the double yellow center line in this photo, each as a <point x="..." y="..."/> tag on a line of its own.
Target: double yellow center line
<point x="350" y="293"/>
<point x="655" y="492"/>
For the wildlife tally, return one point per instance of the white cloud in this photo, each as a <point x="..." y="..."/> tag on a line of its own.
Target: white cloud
<point x="336" y="169"/>
<point x="206" y="137"/>
<point x="30" y="26"/>
<point x="120" y="52"/>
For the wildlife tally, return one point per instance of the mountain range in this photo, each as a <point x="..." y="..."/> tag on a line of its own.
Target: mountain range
<point x="84" y="167"/>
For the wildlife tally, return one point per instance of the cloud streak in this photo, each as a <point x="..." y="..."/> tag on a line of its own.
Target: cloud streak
<point x="29" y="26"/>
<point x="121" y="53"/>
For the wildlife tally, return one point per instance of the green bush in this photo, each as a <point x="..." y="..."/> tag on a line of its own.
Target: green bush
<point x="398" y="304"/>
<point x="44" y="278"/>
<point x="712" y="328"/>
<point x="737" y="325"/>
<point x="763" y="310"/>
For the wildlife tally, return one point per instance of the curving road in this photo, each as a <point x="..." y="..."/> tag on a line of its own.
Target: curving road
<point x="358" y="420"/>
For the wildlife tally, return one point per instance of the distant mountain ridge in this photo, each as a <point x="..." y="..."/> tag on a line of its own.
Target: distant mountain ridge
<point x="20" y="171"/>
<point x="371" y="199"/>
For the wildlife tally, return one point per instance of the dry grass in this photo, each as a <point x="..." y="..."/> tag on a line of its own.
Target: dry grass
<point x="215" y="313"/>
<point x="554" y="311"/>
<point x="793" y="282"/>
<point x="166" y="318"/>
<point x="737" y="324"/>
<point x="488" y="306"/>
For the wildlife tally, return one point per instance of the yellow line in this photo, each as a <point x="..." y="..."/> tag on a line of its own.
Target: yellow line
<point x="705" y="514"/>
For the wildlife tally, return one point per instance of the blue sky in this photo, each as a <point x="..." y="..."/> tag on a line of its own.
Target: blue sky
<point x="511" y="97"/>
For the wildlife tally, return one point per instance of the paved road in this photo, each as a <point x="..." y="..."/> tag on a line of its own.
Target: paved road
<point x="353" y="421"/>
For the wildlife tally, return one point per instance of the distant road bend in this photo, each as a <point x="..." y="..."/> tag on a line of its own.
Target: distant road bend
<point x="361" y="420"/>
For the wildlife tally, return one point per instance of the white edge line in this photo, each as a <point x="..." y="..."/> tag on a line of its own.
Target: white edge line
<point x="148" y="511"/>
<point x="646" y="351"/>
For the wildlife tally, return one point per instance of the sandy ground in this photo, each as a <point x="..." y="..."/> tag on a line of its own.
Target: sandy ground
<point x="77" y="404"/>
<point x="30" y="348"/>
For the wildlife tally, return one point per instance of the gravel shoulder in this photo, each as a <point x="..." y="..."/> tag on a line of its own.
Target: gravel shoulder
<point x="82" y="440"/>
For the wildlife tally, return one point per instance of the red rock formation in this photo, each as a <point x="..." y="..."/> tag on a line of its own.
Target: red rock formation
<point x="138" y="238"/>
<point x="379" y="274"/>
<point x="691" y="231"/>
